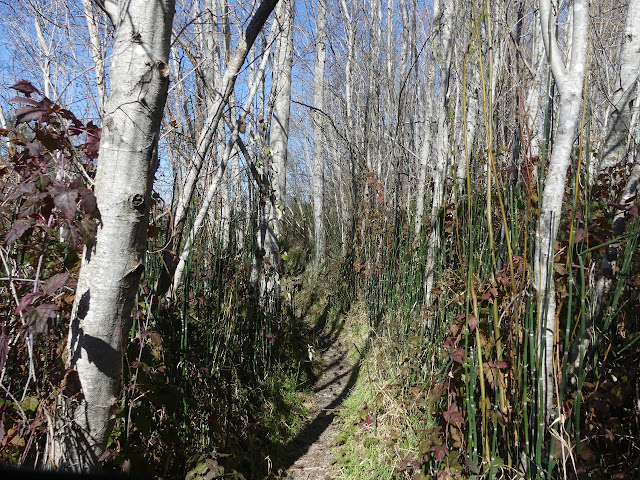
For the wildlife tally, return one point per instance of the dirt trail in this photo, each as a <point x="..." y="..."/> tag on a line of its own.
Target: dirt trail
<point x="312" y="450"/>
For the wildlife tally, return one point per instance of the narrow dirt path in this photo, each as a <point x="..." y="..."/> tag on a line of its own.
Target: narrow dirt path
<point x="312" y="450"/>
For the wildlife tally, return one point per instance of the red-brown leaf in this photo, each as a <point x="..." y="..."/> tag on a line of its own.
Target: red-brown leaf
<point x="25" y="87"/>
<point x="18" y="229"/>
<point x="55" y="283"/>
<point x="453" y="416"/>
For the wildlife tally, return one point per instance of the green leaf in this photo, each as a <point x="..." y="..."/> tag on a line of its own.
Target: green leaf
<point x="30" y="404"/>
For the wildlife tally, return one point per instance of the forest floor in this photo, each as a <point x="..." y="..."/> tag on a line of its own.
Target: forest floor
<point x="311" y="454"/>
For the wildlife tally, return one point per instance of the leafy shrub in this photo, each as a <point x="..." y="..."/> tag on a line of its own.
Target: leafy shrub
<point x="48" y="213"/>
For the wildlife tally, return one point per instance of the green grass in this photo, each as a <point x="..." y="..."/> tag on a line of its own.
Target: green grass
<point x="383" y="419"/>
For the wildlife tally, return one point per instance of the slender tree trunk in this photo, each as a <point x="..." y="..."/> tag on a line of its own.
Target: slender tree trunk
<point x="346" y="244"/>
<point x="439" y="170"/>
<point x="570" y="82"/>
<point x="624" y="105"/>
<point x="96" y="52"/>
<point x="44" y="59"/>
<point x="533" y="99"/>
<point x="429" y="130"/>
<point x="473" y="115"/>
<point x="273" y="191"/>
<point x="238" y="232"/>
<point x="111" y="271"/>
<point x="224" y="223"/>
<point x="279" y="138"/>
<point x="215" y="183"/>
<point x="205" y="140"/>
<point x="423" y="167"/>
<point x="318" y="136"/>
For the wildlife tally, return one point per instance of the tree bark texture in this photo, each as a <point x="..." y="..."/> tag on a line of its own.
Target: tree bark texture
<point x="96" y="52"/>
<point x="441" y="165"/>
<point x="570" y="82"/>
<point x="283" y="62"/>
<point x="318" y="137"/>
<point x="267" y="262"/>
<point x="217" y="179"/>
<point x="111" y="271"/>
<point x="624" y="102"/>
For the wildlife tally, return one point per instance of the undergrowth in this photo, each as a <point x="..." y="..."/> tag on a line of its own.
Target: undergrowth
<point x="453" y="387"/>
<point x="384" y="418"/>
<point x="211" y="384"/>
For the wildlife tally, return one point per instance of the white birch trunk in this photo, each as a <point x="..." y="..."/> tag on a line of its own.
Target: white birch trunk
<point x="318" y="137"/>
<point x="213" y="186"/>
<point x="283" y="61"/>
<point x="570" y="82"/>
<point x="534" y="94"/>
<point x="428" y="130"/>
<point x="423" y="166"/>
<point x="96" y="53"/>
<point x="272" y="196"/>
<point x="439" y="170"/>
<point x="205" y="140"/>
<point x="238" y="219"/>
<point x="473" y="114"/>
<point x="111" y="271"/>
<point x="225" y="213"/>
<point x="389" y="41"/>
<point x="224" y="224"/>
<point x="624" y="101"/>
<point x="45" y="61"/>
<point x="351" y="127"/>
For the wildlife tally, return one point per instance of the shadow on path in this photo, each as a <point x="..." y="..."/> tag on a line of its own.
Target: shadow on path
<point x="332" y="387"/>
